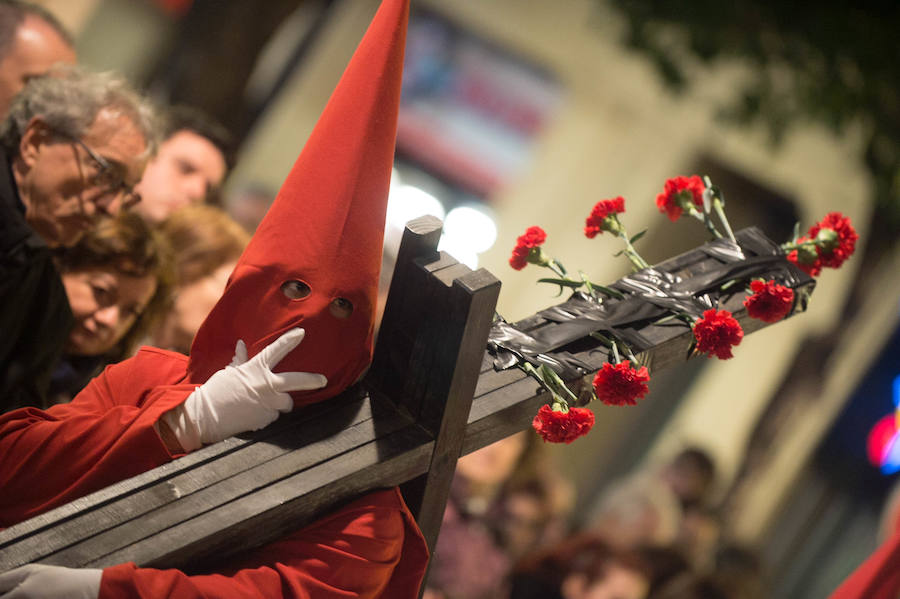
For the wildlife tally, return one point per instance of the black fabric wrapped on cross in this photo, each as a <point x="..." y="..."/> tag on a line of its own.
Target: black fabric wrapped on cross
<point x="688" y="284"/>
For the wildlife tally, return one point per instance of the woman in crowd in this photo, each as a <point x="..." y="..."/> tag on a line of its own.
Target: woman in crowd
<point x="207" y="244"/>
<point x="118" y="280"/>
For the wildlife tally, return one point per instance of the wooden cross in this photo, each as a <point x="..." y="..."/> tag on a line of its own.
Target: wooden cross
<point x="405" y="424"/>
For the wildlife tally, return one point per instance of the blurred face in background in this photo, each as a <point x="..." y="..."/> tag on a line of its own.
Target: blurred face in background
<point x="493" y="464"/>
<point x="35" y="48"/>
<point x="105" y="304"/>
<point x="185" y="170"/>
<point x="192" y="303"/>
<point x="618" y="582"/>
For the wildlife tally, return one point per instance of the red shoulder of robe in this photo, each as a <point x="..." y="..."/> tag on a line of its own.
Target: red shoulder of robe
<point x="106" y="434"/>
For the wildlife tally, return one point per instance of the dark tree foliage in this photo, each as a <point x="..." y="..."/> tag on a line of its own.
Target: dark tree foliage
<point x="835" y="63"/>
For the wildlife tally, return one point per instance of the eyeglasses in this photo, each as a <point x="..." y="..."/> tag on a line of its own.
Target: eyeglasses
<point x="108" y="177"/>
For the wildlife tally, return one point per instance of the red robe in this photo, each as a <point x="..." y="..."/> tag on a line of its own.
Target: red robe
<point x="369" y="548"/>
<point x="878" y="577"/>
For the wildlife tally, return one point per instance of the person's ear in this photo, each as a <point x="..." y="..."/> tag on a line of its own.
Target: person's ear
<point x="37" y="134"/>
<point x="573" y="586"/>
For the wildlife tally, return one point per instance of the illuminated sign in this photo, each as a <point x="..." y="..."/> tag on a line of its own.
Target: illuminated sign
<point x="882" y="444"/>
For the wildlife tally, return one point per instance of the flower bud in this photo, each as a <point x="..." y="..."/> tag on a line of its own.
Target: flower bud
<point x="537" y="256"/>
<point x="686" y="201"/>
<point x="807" y="254"/>
<point x="827" y="240"/>
<point x="559" y="404"/>
<point x="611" y="223"/>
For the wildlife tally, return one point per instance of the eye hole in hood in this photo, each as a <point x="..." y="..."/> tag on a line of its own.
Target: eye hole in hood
<point x="341" y="308"/>
<point x="295" y="289"/>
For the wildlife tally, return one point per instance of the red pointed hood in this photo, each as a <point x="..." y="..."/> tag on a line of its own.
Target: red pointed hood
<point x="323" y="233"/>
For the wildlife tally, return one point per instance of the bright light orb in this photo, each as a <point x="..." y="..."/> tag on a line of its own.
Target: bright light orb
<point x="407" y="202"/>
<point x="459" y="250"/>
<point x="472" y="227"/>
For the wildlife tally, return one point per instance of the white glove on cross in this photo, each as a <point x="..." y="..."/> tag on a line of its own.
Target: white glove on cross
<point x="243" y="396"/>
<point x="37" y="581"/>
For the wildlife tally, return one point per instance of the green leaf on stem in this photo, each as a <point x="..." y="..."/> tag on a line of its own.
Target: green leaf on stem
<point x="638" y="236"/>
<point x="562" y="282"/>
<point x="562" y="269"/>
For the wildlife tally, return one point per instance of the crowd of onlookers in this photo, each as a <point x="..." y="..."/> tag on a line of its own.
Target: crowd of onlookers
<point x="113" y="234"/>
<point x="113" y="228"/>
<point x="510" y="531"/>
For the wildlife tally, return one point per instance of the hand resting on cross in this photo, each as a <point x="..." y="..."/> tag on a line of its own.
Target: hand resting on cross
<point x="244" y="396"/>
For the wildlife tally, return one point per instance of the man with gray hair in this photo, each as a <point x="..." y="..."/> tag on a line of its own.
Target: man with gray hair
<point x="31" y="41"/>
<point x="72" y="148"/>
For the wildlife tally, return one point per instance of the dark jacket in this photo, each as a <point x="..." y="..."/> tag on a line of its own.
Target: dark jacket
<point x="72" y="374"/>
<point x="35" y="318"/>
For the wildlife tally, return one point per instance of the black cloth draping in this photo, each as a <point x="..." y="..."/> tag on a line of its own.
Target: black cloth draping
<point x="35" y="317"/>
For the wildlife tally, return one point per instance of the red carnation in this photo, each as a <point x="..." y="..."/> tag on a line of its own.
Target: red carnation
<point x="621" y="384"/>
<point x="677" y="195"/>
<point x="533" y="237"/>
<point x="562" y="427"/>
<point x="531" y="240"/>
<point x="835" y="239"/>
<point x="519" y="258"/>
<point x="717" y="332"/>
<point x="602" y="217"/>
<point x="770" y="302"/>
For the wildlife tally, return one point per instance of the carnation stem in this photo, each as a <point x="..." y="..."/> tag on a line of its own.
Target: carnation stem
<point x="530" y="371"/>
<point x="718" y="204"/>
<point x="636" y="260"/>
<point x="719" y="207"/>
<point x="710" y="227"/>
<point x="703" y="217"/>
<point x="632" y="357"/>
<point x="788" y="246"/>
<point x="554" y="385"/>
<point x="602" y="338"/>
<point x="557" y="268"/>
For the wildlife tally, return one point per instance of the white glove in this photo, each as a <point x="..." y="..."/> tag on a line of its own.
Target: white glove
<point x="37" y="581"/>
<point x="243" y="396"/>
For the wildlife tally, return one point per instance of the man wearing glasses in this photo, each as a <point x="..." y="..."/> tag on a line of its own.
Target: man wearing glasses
<point x="72" y="147"/>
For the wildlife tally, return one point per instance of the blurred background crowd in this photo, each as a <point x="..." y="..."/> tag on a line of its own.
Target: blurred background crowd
<point x="765" y="476"/>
